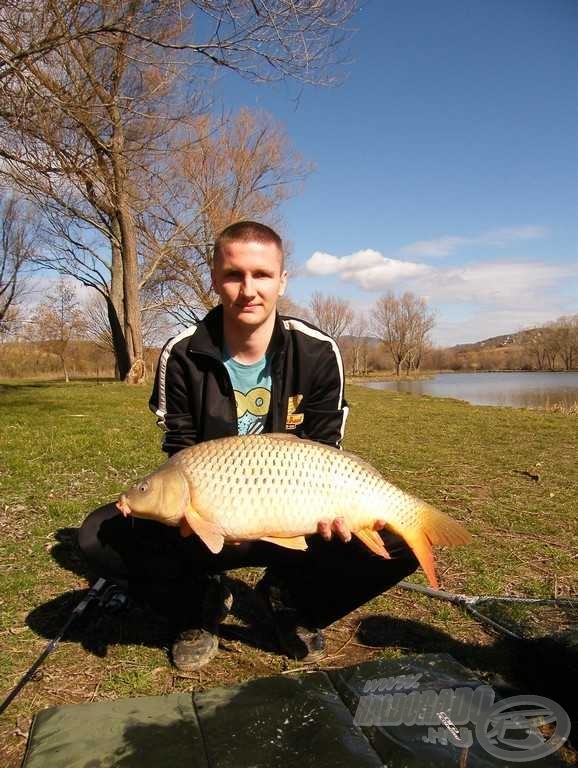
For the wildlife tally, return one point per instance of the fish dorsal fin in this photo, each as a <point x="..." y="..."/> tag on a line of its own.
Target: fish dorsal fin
<point x="373" y="541"/>
<point x="292" y="542"/>
<point x="282" y="436"/>
<point x="209" y="533"/>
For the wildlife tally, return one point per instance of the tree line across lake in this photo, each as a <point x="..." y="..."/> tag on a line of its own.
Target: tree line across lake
<point x="59" y="337"/>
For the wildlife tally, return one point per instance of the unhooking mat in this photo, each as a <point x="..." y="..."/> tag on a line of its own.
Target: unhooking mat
<point x="417" y="711"/>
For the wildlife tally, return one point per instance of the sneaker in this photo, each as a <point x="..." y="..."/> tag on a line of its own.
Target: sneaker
<point x="295" y="640"/>
<point x="194" y="649"/>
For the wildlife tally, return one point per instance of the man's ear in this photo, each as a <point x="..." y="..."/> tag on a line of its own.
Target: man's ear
<point x="283" y="284"/>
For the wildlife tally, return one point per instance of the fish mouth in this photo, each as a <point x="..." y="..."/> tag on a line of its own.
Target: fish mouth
<point x="123" y="505"/>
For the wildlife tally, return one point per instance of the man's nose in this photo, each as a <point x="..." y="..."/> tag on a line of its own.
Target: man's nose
<point x="248" y="286"/>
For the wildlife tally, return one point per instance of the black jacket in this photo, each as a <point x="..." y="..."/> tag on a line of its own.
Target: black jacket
<point x="193" y="396"/>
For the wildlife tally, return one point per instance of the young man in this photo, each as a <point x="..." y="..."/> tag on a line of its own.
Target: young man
<point x="245" y="370"/>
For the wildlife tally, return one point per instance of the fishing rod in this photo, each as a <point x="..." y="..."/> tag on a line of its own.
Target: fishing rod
<point x="469" y="603"/>
<point x="93" y="593"/>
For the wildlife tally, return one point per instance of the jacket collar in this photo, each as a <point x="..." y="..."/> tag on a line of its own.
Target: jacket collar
<point x="208" y="337"/>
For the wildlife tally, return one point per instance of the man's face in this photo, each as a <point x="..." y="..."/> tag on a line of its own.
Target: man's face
<point x="249" y="278"/>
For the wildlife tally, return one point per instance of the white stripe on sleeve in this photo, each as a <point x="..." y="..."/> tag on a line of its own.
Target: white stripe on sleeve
<point x="161" y="411"/>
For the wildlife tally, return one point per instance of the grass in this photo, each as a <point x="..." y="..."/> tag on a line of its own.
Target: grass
<point x="65" y="449"/>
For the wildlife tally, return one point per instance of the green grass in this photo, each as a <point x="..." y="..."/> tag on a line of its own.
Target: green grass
<point x="65" y="449"/>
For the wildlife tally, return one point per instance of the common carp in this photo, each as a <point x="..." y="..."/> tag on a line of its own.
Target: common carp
<point x="278" y="488"/>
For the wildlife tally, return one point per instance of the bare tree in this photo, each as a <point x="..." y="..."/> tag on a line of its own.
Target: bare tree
<point x="241" y="167"/>
<point x="265" y="40"/>
<point x="358" y="344"/>
<point x="17" y="252"/>
<point x="403" y="325"/>
<point x="332" y="314"/>
<point x="564" y="337"/>
<point x="57" y="321"/>
<point x="85" y="101"/>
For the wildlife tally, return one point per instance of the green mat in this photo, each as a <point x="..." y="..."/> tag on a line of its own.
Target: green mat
<point x="293" y="721"/>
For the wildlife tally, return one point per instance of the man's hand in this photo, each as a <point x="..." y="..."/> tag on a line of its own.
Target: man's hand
<point x="326" y="528"/>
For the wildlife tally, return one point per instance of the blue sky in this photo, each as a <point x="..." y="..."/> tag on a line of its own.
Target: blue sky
<point x="446" y="163"/>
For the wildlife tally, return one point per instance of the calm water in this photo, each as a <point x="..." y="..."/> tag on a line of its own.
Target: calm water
<point x="521" y="390"/>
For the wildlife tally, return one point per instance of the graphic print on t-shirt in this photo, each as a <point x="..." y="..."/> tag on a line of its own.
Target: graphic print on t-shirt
<point x="252" y="388"/>
<point x="252" y="410"/>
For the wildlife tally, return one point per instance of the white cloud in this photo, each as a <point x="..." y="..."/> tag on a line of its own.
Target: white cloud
<point x="367" y="268"/>
<point x="443" y="246"/>
<point x="497" y="283"/>
<point x="325" y="264"/>
<point x="448" y="244"/>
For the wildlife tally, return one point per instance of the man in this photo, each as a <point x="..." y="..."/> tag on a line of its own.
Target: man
<point x="245" y="370"/>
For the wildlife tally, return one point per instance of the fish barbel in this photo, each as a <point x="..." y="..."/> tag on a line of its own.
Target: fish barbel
<point x="278" y="488"/>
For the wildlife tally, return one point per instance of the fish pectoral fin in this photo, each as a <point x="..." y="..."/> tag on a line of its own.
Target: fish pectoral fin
<point x="373" y="541"/>
<point x="184" y="528"/>
<point x="292" y="542"/>
<point x="209" y="533"/>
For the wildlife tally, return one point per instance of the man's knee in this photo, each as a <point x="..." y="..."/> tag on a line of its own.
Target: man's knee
<point x="89" y="530"/>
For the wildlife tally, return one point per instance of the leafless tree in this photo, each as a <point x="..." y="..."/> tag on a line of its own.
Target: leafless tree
<point x="85" y="103"/>
<point x="403" y="325"/>
<point x="226" y="170"/>
<point x="17" y="252"/>
<point x="332" y="314"/>
<point x="57" y="321"/>
<point x="564" y="336"/>
<point x="262" y="39"/>
<point x="358" y="344"/>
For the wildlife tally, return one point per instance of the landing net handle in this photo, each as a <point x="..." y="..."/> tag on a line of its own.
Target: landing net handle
<point x="469" y="603"/>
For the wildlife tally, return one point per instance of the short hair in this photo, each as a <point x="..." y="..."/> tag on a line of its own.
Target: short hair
<point x="247" y="232"/>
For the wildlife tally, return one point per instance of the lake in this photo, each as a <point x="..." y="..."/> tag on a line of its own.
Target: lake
<point x="534" y="389"/>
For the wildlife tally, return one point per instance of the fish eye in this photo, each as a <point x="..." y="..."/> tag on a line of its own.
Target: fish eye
<point x="143" y="487"/>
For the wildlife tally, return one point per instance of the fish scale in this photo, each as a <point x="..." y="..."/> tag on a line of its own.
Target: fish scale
<point x="292" y="489"/>
<point x="279" y="488"/>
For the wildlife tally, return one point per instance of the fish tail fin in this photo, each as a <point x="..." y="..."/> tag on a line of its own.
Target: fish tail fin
<point x="373" y="541"/>
<point x="421" y="547"/>
<point x="434" y="527"/>
<point x="442" y="529"/>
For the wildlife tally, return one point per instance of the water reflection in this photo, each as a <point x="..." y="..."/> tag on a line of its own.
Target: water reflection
<point x="521" y="390"/>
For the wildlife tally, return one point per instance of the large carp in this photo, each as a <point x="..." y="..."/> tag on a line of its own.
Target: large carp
<point x="278" y="488"/>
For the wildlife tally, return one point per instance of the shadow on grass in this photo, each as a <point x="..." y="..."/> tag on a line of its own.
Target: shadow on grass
<point x="98" y="628"/>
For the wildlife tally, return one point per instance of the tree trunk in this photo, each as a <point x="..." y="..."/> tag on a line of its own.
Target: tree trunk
<point x="121" y="356"/>
<point x="132" y="320"/>
<point x="65" y="370"/>
<point x="115" y="305"/>
<point x="128" y="247"/>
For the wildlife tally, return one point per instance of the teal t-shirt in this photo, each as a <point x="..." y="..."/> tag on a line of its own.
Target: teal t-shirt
<point x="252" y="387"/>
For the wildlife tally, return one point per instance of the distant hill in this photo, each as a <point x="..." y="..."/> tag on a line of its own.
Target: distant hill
<point x="494" y="342"/>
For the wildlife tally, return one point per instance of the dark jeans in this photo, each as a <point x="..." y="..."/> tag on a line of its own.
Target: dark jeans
<point x="169" y="572"/>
